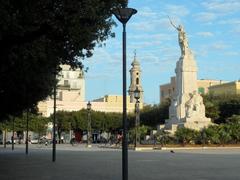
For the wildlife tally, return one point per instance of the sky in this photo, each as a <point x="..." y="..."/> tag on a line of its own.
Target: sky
<point x="213" y="31"/>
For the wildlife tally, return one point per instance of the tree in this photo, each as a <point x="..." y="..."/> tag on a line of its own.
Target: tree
<point x="212" y="110"/>
<point x="155" y="115"/>
<point x="229" y="107"/>
<point x="37" y="36"/>
<point x="221" y="107"/>
<point x="63" y="123"/>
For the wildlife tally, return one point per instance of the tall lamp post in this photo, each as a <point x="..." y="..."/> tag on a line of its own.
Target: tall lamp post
<point x="13" y="133"/>
<point x="137" y="119"/>
<point x="54" y="122"/>
<point x="123" y="15"/>
<point x="27" y="119"/>
<point x="89" y="132"/>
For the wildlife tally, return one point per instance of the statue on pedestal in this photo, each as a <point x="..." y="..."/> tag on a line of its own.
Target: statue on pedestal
<point x="182" y="38"/>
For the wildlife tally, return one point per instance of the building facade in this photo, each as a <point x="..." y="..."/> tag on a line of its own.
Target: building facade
<point x="71" y="93"/>
<point x="113" y="103"/>
<point x="203" y="85"/>
<point x="226" y="88"/>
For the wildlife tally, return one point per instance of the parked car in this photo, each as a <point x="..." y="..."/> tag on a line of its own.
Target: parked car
<point x="34" y="141"/>
<point x="9" y="141"/>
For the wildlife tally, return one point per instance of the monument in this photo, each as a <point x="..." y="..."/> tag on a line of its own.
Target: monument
<point x="187" y="108"/>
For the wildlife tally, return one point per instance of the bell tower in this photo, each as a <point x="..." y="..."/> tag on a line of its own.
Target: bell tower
<point x="135" y="80"/>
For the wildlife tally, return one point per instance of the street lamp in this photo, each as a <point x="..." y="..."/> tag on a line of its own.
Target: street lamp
<point x="27" y="118"/>
<point x="13" y="133"/>
<point x="123" y="15"/>
<point x="137" y="119"/>
<point x="54" y="119"/>
<point x="89" y="133"/>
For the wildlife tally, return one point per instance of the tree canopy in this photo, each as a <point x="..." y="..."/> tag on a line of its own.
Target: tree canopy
<point x="37" y="36"/>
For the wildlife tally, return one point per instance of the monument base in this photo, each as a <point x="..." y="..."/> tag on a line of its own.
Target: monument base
<point x="195" y="123"/>
<point x="172" y="125"/>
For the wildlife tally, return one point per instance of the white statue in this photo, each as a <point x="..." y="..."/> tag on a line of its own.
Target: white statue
<point x="198" y="103"/>
<point x="173" y="108"/>
<point x="190" y="105"/>
<point x="195" y="105"/>
<point x="182" y="38"/>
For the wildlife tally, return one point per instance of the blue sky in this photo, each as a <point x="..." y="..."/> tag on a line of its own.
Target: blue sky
<point x="213" y="30"/>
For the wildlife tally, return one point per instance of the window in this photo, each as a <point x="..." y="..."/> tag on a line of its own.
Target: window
<point x="67" y="76"/>
<point x="137" y="80"/>
<point x="201" y="90"/>
<point x="169" y="92"/>
<point x="66" y="83"/>
<point x="162" y="93"/>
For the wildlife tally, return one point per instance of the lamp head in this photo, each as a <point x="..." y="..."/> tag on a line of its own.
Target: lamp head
<point x="137" y="94"/>
<point x="89" y="105"/>
<point x="124" y="14"/>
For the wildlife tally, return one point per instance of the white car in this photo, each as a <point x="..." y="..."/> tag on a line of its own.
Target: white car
<point x="34" y="141"/>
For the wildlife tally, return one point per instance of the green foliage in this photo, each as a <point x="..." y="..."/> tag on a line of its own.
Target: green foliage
<point x="38" y="36"/>
<point x="154" y="115"/>
<point x="143" y="131"/>
<point x="212" y="110"/>
<point x="185" y="135"/>
<point x="163" y="137"/>
<point x="209" y="135"/>
<point x="234" y="123"/>
<point x="78" y="120"/>
<point x="35" y="123"/>
<point x="221" y="107"/>
<point x="224" y="133"/>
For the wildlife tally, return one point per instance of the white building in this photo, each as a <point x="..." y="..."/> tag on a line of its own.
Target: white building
<point x="71" y="93"/>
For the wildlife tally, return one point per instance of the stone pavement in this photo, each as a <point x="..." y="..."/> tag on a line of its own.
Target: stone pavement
<point x="81" y="163"/>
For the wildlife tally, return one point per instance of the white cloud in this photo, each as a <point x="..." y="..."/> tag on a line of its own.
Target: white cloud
<point x="205" y="17"/>
<point x="155" y="37"/>
<point x="150" y="24"/>
<point x="230" y="22"/>
<point x="177" y="10"/>
<point x="205" y="34"/>
<point x="225" y="7"/>
<point x="143" y="26"/>
<point x="146" y="12"/>
<point x="219" y="45"/>
<point x="232" y="53"/>
<point x="204" y="50"/>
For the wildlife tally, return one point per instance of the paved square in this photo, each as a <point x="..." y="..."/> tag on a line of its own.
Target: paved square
<point x="78" y="162"/>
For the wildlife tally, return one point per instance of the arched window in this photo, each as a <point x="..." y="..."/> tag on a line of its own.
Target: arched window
<point x="137" y="81"/>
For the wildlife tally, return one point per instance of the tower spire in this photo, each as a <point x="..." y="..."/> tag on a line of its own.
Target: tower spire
<point x="135" y="73"/>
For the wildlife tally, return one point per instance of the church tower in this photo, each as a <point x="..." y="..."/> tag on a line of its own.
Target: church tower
<point x="135" y="80"/>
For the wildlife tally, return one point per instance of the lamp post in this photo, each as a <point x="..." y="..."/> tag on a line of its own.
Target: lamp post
<point x="27" y="119"/>
<point x="137" y="119"/>
<point x="5" y="137"/>
<point x="54" y="121"/>
<point x="123" y="15"/>
<point x="89" y="133"/>
<point x="12" y="133"/>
